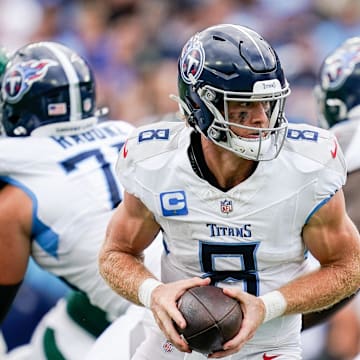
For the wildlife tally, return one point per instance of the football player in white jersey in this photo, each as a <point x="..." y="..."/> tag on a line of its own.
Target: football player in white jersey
<point x="240" y="196"/>
<point x="338" y="99"/>
<point x="59" y="191"/>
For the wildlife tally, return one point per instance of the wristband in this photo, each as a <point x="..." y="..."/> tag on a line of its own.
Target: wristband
<point x="275" y="305"/>
<point x="145" y="290"/>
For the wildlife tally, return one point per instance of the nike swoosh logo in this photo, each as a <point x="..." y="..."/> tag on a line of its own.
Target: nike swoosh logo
<point x="125" y="151"/>
<point x="334" y="151"/>
<point x="267" y="357"/>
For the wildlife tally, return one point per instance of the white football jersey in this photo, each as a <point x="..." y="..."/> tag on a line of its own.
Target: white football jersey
<point x="73" y="187"/>
<point x="248" y="236"/>
<point x="348" y="135"/>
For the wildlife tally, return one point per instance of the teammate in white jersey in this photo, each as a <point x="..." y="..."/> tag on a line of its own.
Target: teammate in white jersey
<point x="338" y="99"/>
<point x="240" y="196"/>
<point x="59" y="191"/>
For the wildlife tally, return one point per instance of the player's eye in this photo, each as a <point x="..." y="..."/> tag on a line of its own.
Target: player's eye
<point x="266" y="105"/>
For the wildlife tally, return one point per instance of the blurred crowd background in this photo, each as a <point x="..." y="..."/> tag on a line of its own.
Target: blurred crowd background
<point x="133" y="46"/>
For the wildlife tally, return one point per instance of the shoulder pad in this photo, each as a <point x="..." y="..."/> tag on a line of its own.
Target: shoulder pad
<point x="315" y="144"/>
<point x="150" y="142"/>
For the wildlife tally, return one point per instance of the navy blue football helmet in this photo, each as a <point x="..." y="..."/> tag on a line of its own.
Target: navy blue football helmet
<point x="227" y="63"/>
<point x="338" y="89"/>
<point x="47" y="89"/>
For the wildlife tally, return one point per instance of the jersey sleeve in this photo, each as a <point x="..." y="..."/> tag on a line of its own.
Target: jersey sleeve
<point x="332" y="177"/>
<point x="146" y="151"/>
<point x="125" y="165"/>
<point x="319" y="159"/>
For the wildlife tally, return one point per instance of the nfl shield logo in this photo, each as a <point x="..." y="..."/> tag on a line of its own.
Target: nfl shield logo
<point x="226" y="206"/>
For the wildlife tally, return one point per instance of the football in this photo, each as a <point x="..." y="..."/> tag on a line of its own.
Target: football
<point x="212" y="318"/>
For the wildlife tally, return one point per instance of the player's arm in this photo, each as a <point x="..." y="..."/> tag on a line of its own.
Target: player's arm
<point x="316" y="318"/>
<point x="334" y="241"/>
<point x="131" y="229"/>
<point x="15" y="230"/>
<point x="352" y="197"/>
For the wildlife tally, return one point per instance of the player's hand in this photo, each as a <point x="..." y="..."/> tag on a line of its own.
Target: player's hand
<point x="164" y="307"/>
<point x="253" y="315"/>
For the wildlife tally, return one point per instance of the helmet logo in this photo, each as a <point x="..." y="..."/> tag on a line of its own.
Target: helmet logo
<point x="192" y="60"/>
<point x="19" y="79"/>
<point x="337" y="68"/>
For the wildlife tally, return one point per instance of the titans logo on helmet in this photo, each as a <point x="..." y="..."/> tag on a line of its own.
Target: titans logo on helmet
<point x="338" y="68"/>
<point x="19" y="79"/>
<point x="192" y="60"/>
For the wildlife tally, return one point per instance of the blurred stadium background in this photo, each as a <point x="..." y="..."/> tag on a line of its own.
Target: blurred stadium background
<point x="133" y="46"/>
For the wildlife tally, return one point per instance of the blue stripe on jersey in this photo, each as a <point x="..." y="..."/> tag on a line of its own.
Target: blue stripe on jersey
<point x="317" y="207"/>
<point x="47" y="239"/>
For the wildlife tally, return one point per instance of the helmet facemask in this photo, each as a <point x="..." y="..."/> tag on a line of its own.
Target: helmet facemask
<point x="264" y="144"/>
